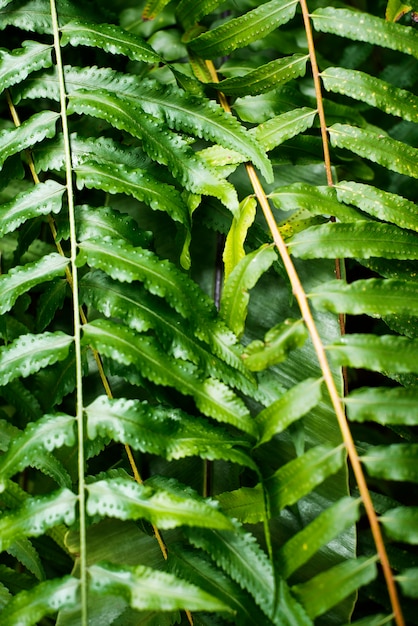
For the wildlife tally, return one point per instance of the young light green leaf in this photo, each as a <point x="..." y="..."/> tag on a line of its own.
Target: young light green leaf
<point x="385" y="206"/>
<point x="35" y="129"/>
<point x="390" y="153"/>
<point x="109" y="37"/>
<point x="244" y="276"/>
<point x="292" y="405"/>
<point x="339" y="581"/>
<point x="361" y="26"/>
<point x="17" y="65"/>
<point x="395" y="9"/>
<point x="36" y="515"/>
<point x="170" y="433"/>
<point x="158" y="141"/>
<point x="240" y="31"/>
<point x="151" y="590"/>
<point x="118" y="178"/>
<point x="164" y="503"/>
<point x="373" y="296"/>
<point x="29" y="607"/>
<point x="40" y="437"/>
<point x="29" y="353"/>
<point x="377" y="353"/>
<point x="278" y="342"/>
<point x="383" y="405"/>
<point x="392" y="462"/>
<point x="401" y="524"/>
<point x="234" y="244"/>
<point x="362" y="239"/>
<point x="328" y="525"/>
<point x="212" y="397"/>
<point x="22" y="278"/>
<point x="266" y="77"/>
<point x="375" y="92"/>
<point x="43" y="199"/>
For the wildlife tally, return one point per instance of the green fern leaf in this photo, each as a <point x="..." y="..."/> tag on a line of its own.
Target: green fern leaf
<point x="396" y="9"/>
<point x="365" y="27"/>
<point x="118" y="178"/>
<point x="109" y="37"/>
<point x="278" y="129"/>
<point x="17" y="65"/>
<point x="374" y="296"/>
<point x="35" y="129"/>
<point x="107" y="222"/>
<point x="392" y="462"/>
<point x="212" y="397"/>
<point x="240" y="31"/>
<point x="168" y="432"/>
<point x="392" y="154"/>
<point x="369" y="89"/>
<point x="164" y="146"/>
<point x="29" y="607"/>
<point x="304" y="544"/>
<point x="27" y="449"/>
<point x="49" y="302"/>
<point x="142" y="311"/>
<point x="244" y="276"/>
<point x="383" y="405"/>
<point x="381" y="204"/>
<point x="401" y="524"/>
<point x="36" y="515"/>
<point x="277" y="344"/>
<point x="265" y="78"/>
<point x="189" y="14"/>
<point x="339" y="581"/>
<point x="25" y="553"/>
<point x="22" y="278"/>
<point x="292" y="405"/>
<point x="43" y="199"/>
<point x="30" y="353"/>
<point x="408" y="582"/>
<point x="234" y="244"/>
<point x="363" y="240"/>
<point x="166" y="505"/>
<point x="151" y="590"/>
<point x="317" y="200"/>
<point x="377" y="353"/>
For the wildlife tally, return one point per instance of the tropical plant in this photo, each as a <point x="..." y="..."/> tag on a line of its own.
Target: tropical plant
<point x="208" y="258"/>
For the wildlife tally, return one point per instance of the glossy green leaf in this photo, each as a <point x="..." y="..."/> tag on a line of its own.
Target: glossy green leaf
<point x="35" y="17"/>
<point x="381" y="204"/>
<point x="339" y="581"/>
<point x="22" y="278"/>
<point x="278" y="129"/>
<point x="107" y="222"/>
<point x="379" y="148"/>
<point x="323" y="529"/>
<point x="365" y="27"/>
<point x="43" y="199"/>
<point x="44" y="435"/>
<point x="148" y="589"/>
<point x="35" y="129"/>
<point x="161" y="144"/>
<point x="362" y="239"/>
<point x="46" y="598"/>
<point x="108" y="37"/>
<point x="266" y="77"/>
<point x="317" y="200"/>
<point x="191" y="13"/>
<point x="163" y="502"/>
<point x="170" y="433"/>
<point x="392" y="462"/>
<point x="36" y="515"/>
<point x="292" y="405"/>
<point x="408" y="582"/>
<point x="377" y="353"/>
<point x="375" y="92"/>
<point x="396" y="9"/>
<point x="277" y="344"/>
<point x="401" y="524"/>
<point x="30" y="353"/>
<point x="373" y="296"/>
<point x="234" y="243"/>
<point x="244" y="276"/>
<point x="24" y="552"/>
<point x="212" y="397"/>
<point x="240" y="31"/>
<point x="17" y="65"/>
<point x="383" y="405"/>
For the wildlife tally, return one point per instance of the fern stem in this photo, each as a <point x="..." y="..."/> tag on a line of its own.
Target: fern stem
<point x="76" y="318"/>
<point x="302" y="300"/>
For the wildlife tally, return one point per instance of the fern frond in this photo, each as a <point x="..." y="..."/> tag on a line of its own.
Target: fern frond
<point x="17" y="65"/>
<point x="383" y="405"/>
<point x="379" y="353"/>
<point x="35" y="129"/>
